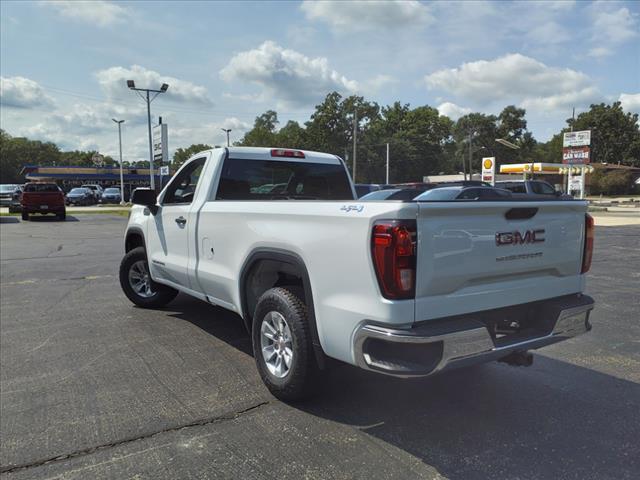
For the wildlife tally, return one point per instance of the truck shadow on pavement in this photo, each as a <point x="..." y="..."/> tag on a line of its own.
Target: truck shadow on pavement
<point x="552" y="420"/>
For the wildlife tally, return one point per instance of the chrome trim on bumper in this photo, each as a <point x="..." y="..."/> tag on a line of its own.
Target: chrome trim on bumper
<point x="469" y="346"/>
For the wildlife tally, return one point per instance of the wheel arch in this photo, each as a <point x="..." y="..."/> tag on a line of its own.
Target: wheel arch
<point x="291" y="265"/>
<point x="134" y="238"/>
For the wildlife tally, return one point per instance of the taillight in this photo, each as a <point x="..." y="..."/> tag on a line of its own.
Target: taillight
<point x="393" y="248"/>
<point x="281" y="152"/>
<point x="587" y="254"/>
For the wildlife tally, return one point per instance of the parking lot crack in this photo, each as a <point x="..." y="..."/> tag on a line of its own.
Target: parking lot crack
<point x="88" y="451"/>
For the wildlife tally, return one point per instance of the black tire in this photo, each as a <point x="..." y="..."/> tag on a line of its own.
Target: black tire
<point x="161" y="293"/>
<point x="303" y="374"/>
<point x="25" y="216"/>
<point x="62" y="216"/>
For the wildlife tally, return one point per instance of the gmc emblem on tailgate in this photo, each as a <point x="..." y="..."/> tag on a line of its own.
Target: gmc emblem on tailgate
<point x="517" y="238"/>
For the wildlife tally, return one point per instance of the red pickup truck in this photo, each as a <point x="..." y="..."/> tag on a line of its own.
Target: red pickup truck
<point x="43" y="198"/>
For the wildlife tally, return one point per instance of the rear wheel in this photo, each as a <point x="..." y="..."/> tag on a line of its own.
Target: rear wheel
<point x="25" y="216"/>
<point x="282" y="345"/>
<point x="137" y="284"/>
<point x="62" y="216"/>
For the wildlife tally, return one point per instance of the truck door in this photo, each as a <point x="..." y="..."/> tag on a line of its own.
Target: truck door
<point x="168" y="239"/>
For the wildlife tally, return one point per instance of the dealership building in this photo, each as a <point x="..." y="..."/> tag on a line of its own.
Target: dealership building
<point x="68" y="177"/>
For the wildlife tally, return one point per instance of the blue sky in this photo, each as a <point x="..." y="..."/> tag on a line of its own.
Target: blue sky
<point x="64" y="63"/>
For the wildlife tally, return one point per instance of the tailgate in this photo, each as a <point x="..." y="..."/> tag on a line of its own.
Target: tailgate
<point x="484" y="255"/>
<point x="43" y="198"/>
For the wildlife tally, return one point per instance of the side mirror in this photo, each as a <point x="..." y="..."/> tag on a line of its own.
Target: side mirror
<point x="146" y="197"/>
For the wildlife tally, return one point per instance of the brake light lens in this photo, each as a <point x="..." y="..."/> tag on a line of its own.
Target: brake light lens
<point x="393" y="248"/>
<point x="281" y="152"/>
<point x="589" y="232"/>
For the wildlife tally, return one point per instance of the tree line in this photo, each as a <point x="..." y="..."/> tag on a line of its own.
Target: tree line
<point x="18" y="152"/>
<point x="422" y="142"/>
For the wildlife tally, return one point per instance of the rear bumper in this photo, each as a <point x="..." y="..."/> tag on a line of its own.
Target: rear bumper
<point x="435" y="345"/>
<point x="36" y="209"/>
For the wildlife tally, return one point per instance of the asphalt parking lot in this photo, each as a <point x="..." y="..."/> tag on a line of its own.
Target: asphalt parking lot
<point x="91" y="387"/>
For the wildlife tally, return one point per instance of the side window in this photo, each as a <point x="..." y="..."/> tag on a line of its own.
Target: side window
<point x="542" y="188"/>
<point x="469" y="194"/>
<point x="183" y="186"/>
<point x="517" y="188"/>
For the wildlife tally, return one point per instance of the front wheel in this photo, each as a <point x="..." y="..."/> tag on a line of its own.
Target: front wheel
<point x="137" y="284"/>
<point x="25" y="216"/>
<point x="282" y="345"/>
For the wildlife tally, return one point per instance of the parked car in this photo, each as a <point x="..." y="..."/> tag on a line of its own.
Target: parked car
<point x="111" y="195"/>
<point x="80" y="196"/>
<point x="464" y="193"/>
<point x="96" y="190"/>
<point x="394" y="194"/>
<point x="6" y="193"/>
<point x="531" y="187"/>
<point x="15" y="206"/>
<point x="43" y="198"/>
<point x="315" y="273"/>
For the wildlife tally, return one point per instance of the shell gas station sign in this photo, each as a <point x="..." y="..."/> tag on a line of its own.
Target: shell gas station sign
<point x="489" y="170"/>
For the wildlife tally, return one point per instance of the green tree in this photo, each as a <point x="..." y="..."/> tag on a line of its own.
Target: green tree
<point x="263" y="133"/>
<point x="17" y="152"/>
<point x="183" y="154"/>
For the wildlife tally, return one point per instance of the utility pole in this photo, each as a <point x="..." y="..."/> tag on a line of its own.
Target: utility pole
<point x="226" y="130"/>
<point x="470" y="154"/>
<point x="132" y="86"/>
<point x="355" y="140"/>
<point x="387" y="177"/>
<point x="120" y="122"/>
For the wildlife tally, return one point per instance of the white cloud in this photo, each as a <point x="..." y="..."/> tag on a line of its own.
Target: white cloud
<point x="611" y="27"/>
<point x="208" y="133"/>
<point x="368" y="14"/>
<point x="379" y="82"/>
<point x="599" y="52"/>
<point x="630" y="102"/>
<point x="22" y="92"/>
<point x="113" y="81"/>
<point x="289" y="76"/>
<point x="514" y="77"/>
<point x="453" y="111"/>
<point x="94" y="12"/>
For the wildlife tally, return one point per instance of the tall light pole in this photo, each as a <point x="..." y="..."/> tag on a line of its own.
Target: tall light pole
<point x="120" y="122"/>
<point x="226" y="130"/>
<point x="132" y="86"/>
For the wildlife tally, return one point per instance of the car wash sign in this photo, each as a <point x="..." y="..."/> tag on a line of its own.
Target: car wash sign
<point x="576" y="147"/>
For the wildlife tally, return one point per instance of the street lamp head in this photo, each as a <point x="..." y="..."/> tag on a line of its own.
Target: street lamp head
<point x="131" y="84"/>
<point x="507" y="143"/>
<point x="164" y="87"/>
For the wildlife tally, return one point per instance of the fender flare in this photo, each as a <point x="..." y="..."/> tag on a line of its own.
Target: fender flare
<point x="294" y="259"/>
<point x="137" y="231"/>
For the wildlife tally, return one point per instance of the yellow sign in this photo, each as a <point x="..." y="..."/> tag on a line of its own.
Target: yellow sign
<point x="488" y="163"/>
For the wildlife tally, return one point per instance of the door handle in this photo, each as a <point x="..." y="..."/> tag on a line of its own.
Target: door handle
<point x="181" y="220"/>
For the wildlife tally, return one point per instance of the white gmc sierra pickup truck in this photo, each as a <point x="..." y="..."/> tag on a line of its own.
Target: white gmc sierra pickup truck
<point x="402" y="288"/>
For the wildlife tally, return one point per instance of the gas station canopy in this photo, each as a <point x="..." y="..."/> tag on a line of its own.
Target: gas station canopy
<point x="540" y="168"/>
